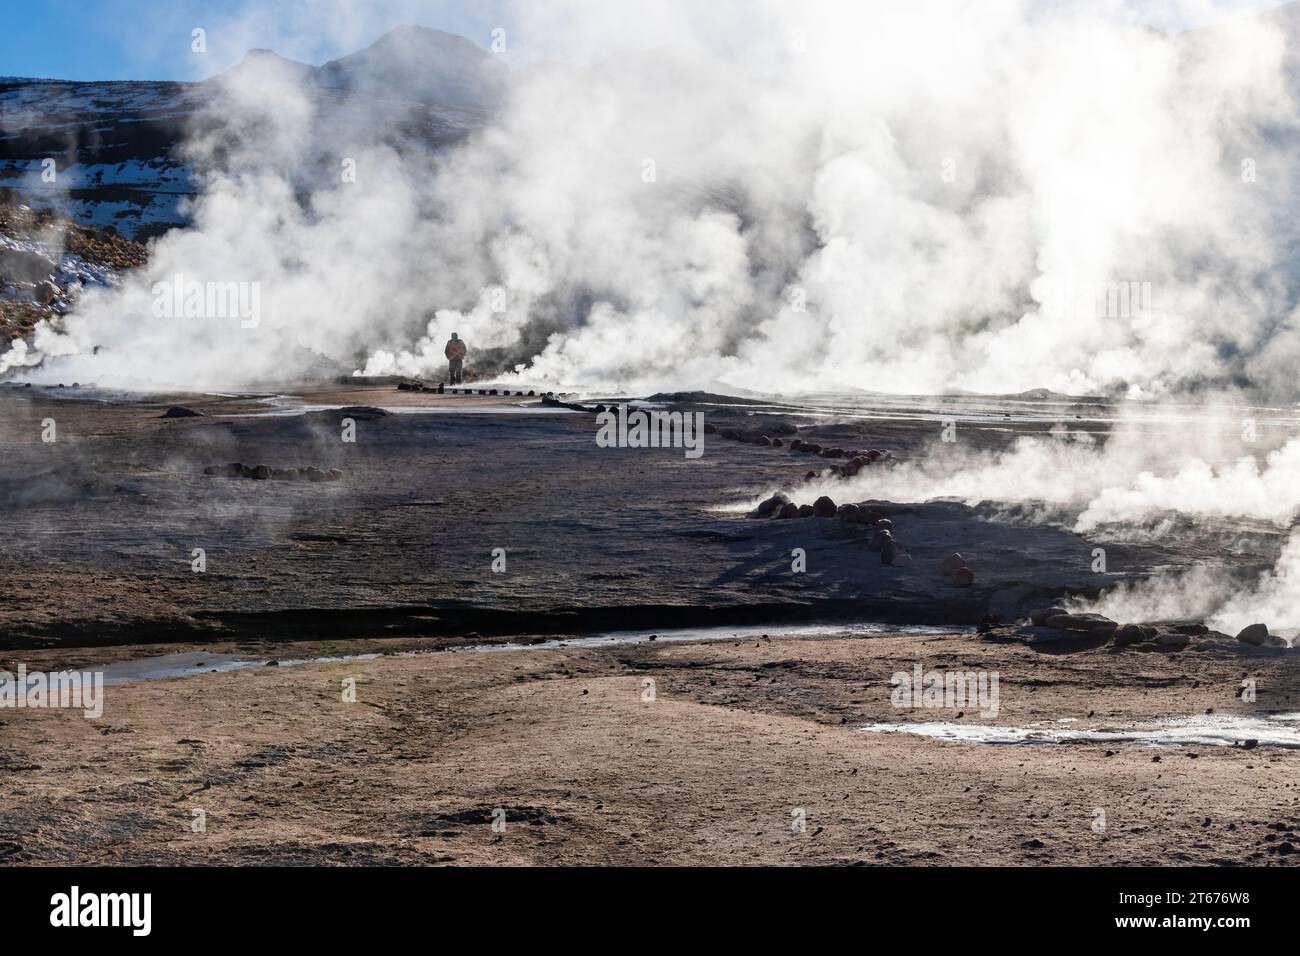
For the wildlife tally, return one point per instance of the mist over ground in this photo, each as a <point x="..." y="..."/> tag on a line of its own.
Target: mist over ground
<point x="843" y="196"/>
<point x="771" y="198"/>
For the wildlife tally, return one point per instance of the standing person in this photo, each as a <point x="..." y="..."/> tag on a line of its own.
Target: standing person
<point x="455" y="353"/>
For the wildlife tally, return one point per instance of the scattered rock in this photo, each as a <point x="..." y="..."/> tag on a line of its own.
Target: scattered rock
<point x="1256" y="634"/>
<point x="771" y="505"/>
<point x="788" y="510"/>
<point x="46" y="292"/>
<point x="824" y="507"/>
<point x="1077" y="622"/>
<point x="180" y="411"/>
<point x="850" y="513"/>
<point x="259" y="473"/>
<point x="805" y="511"/>
<point x="888" y="548"/>
<point x="963" y="577"/>
<point x="951" y="563"/>
<point x="1129" y="634"/>
<point x="1040" y="616"/>
<point x="233" y="470"/>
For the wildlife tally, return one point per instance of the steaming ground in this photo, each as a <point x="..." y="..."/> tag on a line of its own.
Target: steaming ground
<point x="397" y="554"/>
<point x="1190" y="509"/>
<point x="855" y="195"/>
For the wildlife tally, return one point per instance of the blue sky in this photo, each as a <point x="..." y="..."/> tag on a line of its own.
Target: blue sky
<point x="150" y="39"/>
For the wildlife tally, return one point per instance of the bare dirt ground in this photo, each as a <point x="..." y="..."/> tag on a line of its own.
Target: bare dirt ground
<point x="740" y="736"/>
<point x="396" y="554"/>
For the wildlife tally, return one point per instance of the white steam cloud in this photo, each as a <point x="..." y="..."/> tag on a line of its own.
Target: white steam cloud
<point x="897" y="197"/>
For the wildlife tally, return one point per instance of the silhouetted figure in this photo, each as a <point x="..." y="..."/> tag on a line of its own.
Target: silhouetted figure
<point x="455" y="353"/>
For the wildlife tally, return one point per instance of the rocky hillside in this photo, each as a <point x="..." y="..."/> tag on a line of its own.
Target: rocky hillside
<point x="118" y="150"/>
<point x="48" y="260"/>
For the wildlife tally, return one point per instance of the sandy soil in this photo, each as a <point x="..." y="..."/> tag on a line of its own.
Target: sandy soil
<point x="740" y="735"/>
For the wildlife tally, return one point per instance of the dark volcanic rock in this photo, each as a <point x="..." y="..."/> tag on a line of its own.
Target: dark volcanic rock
<point x="951" y="563"/>
<point x="788" y="510"/>
<point x="180" y="411"/>
<point x="770" y="505"/>
<point x="851" y="513"/>
<point x="1256" y="634"/>
<point x="1040" y="616"/>
<point x="805" y="511"/>
<point x="824" y="507"/>
<point x="232" y="470"/>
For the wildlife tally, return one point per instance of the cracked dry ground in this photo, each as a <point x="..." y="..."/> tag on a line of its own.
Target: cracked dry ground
<point x="740" y="734"/>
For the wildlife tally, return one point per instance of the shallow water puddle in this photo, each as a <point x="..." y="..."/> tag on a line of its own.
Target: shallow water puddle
<point x="164" y="666"/>
<point x="187" y="665"/>
<point x="1210" y="730"/>
<point x="700" y="634"/>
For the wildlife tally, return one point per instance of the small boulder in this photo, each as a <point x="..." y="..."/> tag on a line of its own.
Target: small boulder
<point x="962" y="577"/>
<point x="232" y="470"/>
<point x="180" y="411"/>
<point x="805" y="511"/>
<point x="849" y="513"/>
<point x="788" y="510"/>
<point x="951" y="563"/>
<point x="259" y="473"/>
<point x="1039" y="617"/>
<point x="1086" y="623"/>
<point x="769" y="506"/>
<point x="1129" y="634"/>
<point x="1103" y="630"/>
<point x="1256" y="634"/>
<point x="824" y="507"/>
<point x="46" y="292"/>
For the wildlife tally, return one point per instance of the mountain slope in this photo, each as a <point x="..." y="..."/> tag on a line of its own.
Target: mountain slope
<point x="117" y="146"/>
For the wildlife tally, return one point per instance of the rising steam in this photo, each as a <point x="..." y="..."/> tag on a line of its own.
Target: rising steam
<point x="905" y="197"/>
